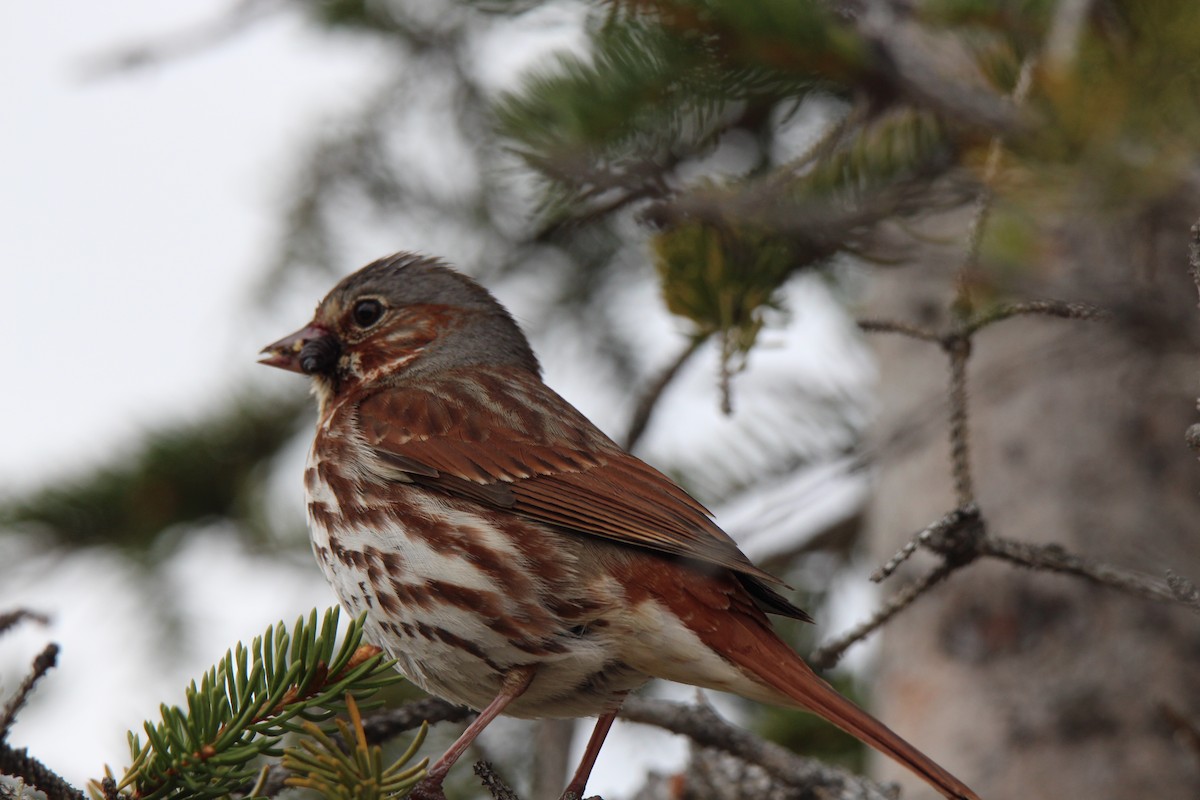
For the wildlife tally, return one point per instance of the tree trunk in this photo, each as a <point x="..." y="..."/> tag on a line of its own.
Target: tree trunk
<point x="1039" y="685"/>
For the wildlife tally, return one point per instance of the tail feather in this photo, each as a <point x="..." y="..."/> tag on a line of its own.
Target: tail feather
<point x="786" y="673"/>
<point x="718" y="609"/>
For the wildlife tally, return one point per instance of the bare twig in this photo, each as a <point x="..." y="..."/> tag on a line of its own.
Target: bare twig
<point x="829" y="654"/>
<point x="108" y="788"/>
<point x="383" y="725"/>
<point x="614" y="200"/>
<point x="983" y="201"/>
<point x="1054" y="558"/>
<point x="959" y="350"/>
<point x="902" y="328"/>
<point x="11" y="618"/>
<point x="960" y="537"/>
<point x="707" y="729"/>
<point x="194" y="39"/>
<point x="1049" y="308"/>
<point x="1184" y="590"/>
<point x="492" y="781"/>
<point x="649" y="400"/>
<point x="957" y="344"/>
<point x="42" y="664"/>
<point x="1191" y="437"/>
<point x="944" y="527"/>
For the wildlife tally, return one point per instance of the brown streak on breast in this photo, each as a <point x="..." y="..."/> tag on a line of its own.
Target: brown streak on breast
<point x="412" y="594"/>
<point x="485" y="603"/>
<point x="320" y="513"/>
<point x="388" y="604"/>
<point x="512" y="581"/>
<point x="391" y="562"/>
<point x="539" y="647"/>
<point x="467" y="645"/>
<point x="341" y="486"/>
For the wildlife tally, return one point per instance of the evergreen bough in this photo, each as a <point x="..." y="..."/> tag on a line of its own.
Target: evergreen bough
<point x="285" y="682"/>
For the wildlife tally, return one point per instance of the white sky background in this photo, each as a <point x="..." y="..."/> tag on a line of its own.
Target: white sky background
<point x="134" y="211"/>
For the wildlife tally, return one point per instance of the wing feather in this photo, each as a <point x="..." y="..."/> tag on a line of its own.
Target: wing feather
<point x="567" y="474"/>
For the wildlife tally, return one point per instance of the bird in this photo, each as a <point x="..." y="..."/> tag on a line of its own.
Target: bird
<point x="507" y="554"/>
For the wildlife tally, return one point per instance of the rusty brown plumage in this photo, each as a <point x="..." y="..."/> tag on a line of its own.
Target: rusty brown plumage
<point x="507" y="553"/>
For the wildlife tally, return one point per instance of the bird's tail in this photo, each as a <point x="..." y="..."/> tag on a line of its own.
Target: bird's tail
<point x="718" y="610"/>
<point x="787" y="674"/>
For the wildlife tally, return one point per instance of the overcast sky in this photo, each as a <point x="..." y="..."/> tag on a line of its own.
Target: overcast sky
<point x="135" y="208"/>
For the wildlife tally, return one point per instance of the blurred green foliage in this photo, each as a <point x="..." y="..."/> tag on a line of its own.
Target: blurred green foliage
<point x="209" y="469"/>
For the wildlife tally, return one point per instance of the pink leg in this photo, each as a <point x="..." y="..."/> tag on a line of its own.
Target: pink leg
<point x="574" y="790"/>
<point x="515" y="684"/>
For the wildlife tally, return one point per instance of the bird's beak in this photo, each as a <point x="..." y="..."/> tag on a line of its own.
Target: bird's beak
<point x="285" y="353"/>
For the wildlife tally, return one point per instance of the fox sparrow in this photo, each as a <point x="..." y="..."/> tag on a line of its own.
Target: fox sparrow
<point x="509" y="555"/>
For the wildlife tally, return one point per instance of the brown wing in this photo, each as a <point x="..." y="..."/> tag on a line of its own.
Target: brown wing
<point x="553" y="466"/>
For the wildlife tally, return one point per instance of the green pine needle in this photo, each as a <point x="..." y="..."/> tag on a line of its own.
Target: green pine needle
<point x="286" y="681"/>
<point x="321" y="763"/>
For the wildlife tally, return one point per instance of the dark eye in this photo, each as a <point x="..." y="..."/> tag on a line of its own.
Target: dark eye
<point x="367" y="313"/>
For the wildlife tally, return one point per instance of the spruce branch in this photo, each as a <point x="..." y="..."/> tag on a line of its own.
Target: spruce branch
<point x="381" y="726"/>
<point x="353" y="768"/>
<point x="246" y="703"/>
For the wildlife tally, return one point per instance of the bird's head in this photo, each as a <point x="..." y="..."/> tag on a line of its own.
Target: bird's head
<point x="404" y="315"/>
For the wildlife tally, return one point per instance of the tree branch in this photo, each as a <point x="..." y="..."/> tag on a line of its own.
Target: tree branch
<point x="960" y="538"/>
<point x="829" y="654"/>
<point x="707" y="729"/>
<point x="380" y="727"/>
<point x="654" y="392"/>
<point x="20" y="764"/>
<point x="1054" y="558"/>
<point x="198" y="38"/>
<point x="42" y="664"/>
<point x="496" y="786"/>
<point x="11" y="618"/>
